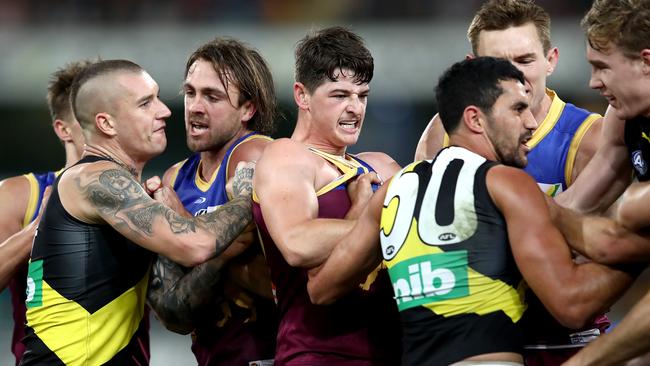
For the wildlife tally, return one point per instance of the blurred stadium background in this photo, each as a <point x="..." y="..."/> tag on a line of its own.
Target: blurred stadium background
<point x="412" y="41"/>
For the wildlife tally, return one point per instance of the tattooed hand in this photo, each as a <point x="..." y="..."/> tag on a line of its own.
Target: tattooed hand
<point x="242" y="183"/>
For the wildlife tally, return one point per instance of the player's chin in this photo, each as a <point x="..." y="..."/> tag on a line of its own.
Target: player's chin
<point x="521" y="161"/>
<point x="160" y="145"/>
<point x="350" y="139"/>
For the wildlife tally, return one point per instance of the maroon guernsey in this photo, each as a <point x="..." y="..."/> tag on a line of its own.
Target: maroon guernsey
<point x="361" y="328"/>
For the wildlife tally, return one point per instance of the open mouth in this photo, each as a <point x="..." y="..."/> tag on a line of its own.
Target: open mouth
<point x="349" y="125"/>
<point x="524" y="141"/>
<point x="610" y="98"/>
<point x="197" y="128"/>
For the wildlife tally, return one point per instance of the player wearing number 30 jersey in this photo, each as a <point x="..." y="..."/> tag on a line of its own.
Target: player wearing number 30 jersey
<point x="446" y="247"/>
<point x="459" y="232"/>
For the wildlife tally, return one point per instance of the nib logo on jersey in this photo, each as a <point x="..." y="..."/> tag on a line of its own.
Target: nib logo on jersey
<point x="35" y="284"/>
<point x="430" y="278"/>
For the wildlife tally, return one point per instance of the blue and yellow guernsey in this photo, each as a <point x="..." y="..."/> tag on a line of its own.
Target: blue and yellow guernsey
<point x="446" y="247"/>
<point x="554" y="145"/>
<point x="197" y="195"/>
<point x="243" y="326"/>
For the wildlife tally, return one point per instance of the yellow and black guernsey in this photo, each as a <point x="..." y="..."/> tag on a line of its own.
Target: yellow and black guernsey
<point x="446" y="247"/>
<point x="86" y="291"/>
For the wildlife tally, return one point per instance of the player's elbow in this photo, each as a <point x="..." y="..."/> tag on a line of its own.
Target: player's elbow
<point x="571" y="316"/>
<point x="574" y="308"/>
<point x="319" y="294"/>
<point x="626" y="214"/>
<point x="191" y="254"/>
<point x="294" y="257"/>
<point x="320" y="297"/>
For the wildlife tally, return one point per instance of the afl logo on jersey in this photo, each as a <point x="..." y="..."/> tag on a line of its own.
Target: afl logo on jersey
<point x="447" y="236"/>
<point x="390" y="250"/>
<point x="639" y="163"/>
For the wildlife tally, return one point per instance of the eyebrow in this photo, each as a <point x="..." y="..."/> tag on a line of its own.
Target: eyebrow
<point x="143" y="99"/>
<point x="597" y="63"/>
<point x="525" y="55"/>
<point x="339" y="90"/>
<point x="205" y="90"/>
<point x="520" y="104"/>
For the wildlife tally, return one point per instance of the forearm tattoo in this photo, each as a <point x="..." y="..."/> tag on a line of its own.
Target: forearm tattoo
<point x="228" y="221"/>
<point x="180" y="297"/>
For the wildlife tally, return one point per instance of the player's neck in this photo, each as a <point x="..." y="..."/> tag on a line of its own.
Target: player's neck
<point x="311" y="138"/>
<point x="326" y="148"/>
<point x="308" y="134"/>
<point x="542" y="110"/>
<point x="476" y="143"/>
<point x="211" y="159"/>
<point x="115" y="156"/>
<point x="71" y="154"/>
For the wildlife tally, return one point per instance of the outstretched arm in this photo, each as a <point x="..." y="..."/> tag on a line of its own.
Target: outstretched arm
<point x="102" y="193"/>
<point x="14" y="252"/>
<point x="16" y="243"/>
<point x="601" y="239"/>
<point x="628" y="340"/>
<point x="573" y="293"/>
<point x="606" y="176"/>
<point x="587" y="142"/>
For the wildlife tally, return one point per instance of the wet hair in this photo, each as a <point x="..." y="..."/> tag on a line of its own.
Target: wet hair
<point x="503" y="14"/>
<point x="320" y="54"/>
<point x="472" y="82"/>
<point x="623" y="23"/>
<point x="93" y="71"/>
<point x="244" y="67"/>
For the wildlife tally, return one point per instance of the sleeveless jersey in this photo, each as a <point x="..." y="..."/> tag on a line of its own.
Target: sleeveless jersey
<point x="246" y="325"/>
<point x="550" y="162"/>
<point x="637" y="139"/>
<point x="17" y="288"/>
<point x="86" y="293"/>
<point x="361" y="328"/>
<point x="555" y="143"/>
<point x="446" y="246"/>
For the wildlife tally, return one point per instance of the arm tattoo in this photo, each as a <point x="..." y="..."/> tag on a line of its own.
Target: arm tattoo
<point x="228" y="221"/>
<point x="180" y="224"/>
<point x="116" y="193"/>
<point x="182" y="298"/>
<point x="242" y="183"/>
